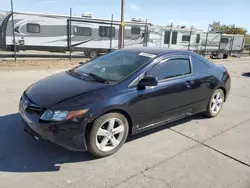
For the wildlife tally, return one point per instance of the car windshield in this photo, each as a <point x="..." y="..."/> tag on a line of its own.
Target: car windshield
<point x="114" y="66"/>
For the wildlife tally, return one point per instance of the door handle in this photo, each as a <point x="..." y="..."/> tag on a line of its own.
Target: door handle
<point x="189" y="83"/>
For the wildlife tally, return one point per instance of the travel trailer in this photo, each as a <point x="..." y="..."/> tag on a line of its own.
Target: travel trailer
<point x="221" y="45"/>
<point x="58" y="33"/>
<point x="180" y="37"/>
<point x="177" y="37"/>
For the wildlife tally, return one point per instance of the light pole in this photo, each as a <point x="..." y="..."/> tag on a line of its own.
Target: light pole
<point x="122" y="25"/>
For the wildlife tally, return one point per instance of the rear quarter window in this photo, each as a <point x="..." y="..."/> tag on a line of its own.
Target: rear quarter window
<point x="199" y="66"/>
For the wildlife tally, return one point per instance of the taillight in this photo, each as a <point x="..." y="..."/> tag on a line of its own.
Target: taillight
<point x="227" y="72"/>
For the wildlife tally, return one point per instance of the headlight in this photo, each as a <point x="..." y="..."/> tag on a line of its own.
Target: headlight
<point x="58" y="115"/>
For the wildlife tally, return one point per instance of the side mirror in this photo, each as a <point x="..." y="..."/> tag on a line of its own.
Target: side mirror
<point x="148" y="81"/>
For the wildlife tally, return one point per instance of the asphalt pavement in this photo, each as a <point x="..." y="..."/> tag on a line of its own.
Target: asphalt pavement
<point x="193" y="152"/>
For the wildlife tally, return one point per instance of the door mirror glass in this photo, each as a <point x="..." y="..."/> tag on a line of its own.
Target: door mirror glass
<point x="148" y="81"/>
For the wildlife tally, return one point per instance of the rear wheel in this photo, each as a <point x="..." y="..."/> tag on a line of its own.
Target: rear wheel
<point x="216" y="103"/>
<point x="108" y="134"/>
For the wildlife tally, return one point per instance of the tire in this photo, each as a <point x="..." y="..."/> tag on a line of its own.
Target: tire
<point x="225" y="56"/>
<point x="87" y="54"/>
<point x="101" y="139"/>
<point x="220" y="55"/>
<point x="213" y="111"/>
<point x="93" y="54"/>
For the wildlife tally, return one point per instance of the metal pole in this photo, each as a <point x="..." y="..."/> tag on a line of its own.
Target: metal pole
<point x="146" y="34"/>
<point x="190" y="37"/>
<point x="70" y="28"/>
<point x="122" y="25"/>
<point x="13" y="31"/>
<point x="206" y="41"/>
<point x="232" y="43"/>
<point x="111" y="25"/>
<point x="219" y="41"/>
<point x="243" y="42"/>
<point x="170" y="31"/>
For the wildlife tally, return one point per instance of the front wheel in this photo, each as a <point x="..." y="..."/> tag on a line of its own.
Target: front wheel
<point x="107" y="135"/>
<point x="216" y="103"/>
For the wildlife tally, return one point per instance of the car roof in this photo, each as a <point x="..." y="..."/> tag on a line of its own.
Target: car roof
<point x="155" y="51"/>
<point x="164" y="51"/>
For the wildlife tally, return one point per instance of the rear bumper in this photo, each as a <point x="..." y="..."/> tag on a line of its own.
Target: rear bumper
<point x="68" y="135"/>
<point x="228" y="88"/>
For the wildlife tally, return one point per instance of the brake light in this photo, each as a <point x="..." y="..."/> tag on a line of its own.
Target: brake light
<point x="227" y="72"/>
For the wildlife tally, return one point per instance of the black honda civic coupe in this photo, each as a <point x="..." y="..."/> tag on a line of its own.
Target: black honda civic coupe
<point x="97" y="105"/>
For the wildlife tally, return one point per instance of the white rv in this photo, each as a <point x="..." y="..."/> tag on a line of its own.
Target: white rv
<point x="178" y="37"/>
<point x="59" y="33"/>
<point x="221" y="45"/>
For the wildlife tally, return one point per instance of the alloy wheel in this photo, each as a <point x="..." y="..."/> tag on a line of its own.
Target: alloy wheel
<point x="110" y="134"/>
<point x="217" y="103"/>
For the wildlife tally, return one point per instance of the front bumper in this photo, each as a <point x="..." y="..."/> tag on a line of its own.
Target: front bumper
<point x="69" y="135"/>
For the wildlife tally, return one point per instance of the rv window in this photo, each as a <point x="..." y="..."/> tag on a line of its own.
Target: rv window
<point x="105" y="31"/>
<point x="174" y="37"/>
<point x="82" y="31"/>
<point x="186" y="38"/>
<point x="33" y="28"/>
<point x="167" y="37"/>
<point x="198" y="38"/>
<point x="224" y="40"/>
<point x="136" y="30"/>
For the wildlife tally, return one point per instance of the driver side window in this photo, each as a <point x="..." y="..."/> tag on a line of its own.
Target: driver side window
<point x="170" y="69"/>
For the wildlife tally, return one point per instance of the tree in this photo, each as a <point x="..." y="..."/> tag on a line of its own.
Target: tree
<point x="217" y="27"/>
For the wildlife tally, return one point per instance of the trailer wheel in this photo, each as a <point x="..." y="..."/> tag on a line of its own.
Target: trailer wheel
<point x="225" y="56"/>
<point x="93" y="54"/>
<point x="220" y="55"/>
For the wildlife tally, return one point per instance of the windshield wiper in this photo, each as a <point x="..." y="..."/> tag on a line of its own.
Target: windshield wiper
<point x="98" y="78"/>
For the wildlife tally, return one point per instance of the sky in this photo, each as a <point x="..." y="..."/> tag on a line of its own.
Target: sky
<point x="161" y="12"/>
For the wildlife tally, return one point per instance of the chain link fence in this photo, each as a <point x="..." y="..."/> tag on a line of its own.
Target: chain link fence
<point x="70" y="36"/>
<point x="50" y="35"/>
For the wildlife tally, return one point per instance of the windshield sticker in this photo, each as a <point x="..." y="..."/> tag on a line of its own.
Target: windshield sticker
<point x="147" y="55"/>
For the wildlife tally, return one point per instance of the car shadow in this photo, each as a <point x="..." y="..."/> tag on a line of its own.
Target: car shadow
<point x="19" y="152"/>
<point x="246" y="74"/>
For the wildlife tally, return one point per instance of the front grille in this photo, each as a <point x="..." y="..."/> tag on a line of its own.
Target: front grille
<point x="31" y="106"/>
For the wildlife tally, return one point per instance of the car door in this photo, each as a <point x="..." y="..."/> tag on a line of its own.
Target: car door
<point x="171" y="98"/>
<point x="203" y="83"/>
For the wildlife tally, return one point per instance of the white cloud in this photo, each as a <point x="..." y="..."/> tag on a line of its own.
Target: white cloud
<point x="134" y="7"/>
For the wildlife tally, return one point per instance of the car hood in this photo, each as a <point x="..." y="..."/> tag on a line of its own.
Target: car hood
<point x="59" y="87"/>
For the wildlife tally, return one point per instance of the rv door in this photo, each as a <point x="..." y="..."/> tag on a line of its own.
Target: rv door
<point x="237" y="43"/>
<point x="224" y="43"/>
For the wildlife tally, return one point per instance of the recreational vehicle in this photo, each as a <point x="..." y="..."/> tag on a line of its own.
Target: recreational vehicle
<point x="58" y="33"/>
<point x="222" y="45"/>
<point x="178" y="37"/>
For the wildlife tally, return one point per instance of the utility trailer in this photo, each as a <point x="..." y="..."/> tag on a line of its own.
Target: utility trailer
<point x="60" y="33"/>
